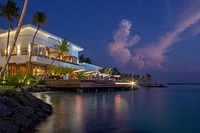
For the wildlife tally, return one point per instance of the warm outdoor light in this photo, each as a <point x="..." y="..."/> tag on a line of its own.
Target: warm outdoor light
<point x="132" y="83"/>
<point x="18" y="49"/>
<point x="28" y="82"/>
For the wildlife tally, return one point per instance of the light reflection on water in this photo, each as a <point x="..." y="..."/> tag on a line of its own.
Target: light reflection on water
<point x="172" y="109"/>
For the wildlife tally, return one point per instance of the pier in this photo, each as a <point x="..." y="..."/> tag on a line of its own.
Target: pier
<point x="86" y="85"/>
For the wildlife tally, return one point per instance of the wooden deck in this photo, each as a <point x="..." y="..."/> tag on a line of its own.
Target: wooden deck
<point x="84" y="85"/>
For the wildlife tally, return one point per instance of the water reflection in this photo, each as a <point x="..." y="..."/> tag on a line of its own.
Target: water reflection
<point x="142" y="111"/>
<point x="121" y="107"/>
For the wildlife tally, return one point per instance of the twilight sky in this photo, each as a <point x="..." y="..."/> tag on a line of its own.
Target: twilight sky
<point x="136" y="36"/>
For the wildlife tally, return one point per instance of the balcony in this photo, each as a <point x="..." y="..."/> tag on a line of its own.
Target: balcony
<point x="44" y="59"/>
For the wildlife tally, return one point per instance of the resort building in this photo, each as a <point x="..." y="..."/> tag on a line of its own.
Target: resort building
<point x="43" y="52"/>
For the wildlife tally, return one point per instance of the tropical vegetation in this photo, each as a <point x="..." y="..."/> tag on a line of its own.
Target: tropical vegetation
<point x="15" y="39"/>
<point x="10" y="13"/>
<point x="148" y="79"/>
<point x="83" y="59"/>
<point x="39" y="19"/>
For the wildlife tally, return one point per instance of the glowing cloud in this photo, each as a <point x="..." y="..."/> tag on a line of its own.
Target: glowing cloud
<point x="118" y="49"/>
<point x="153" y="55"/>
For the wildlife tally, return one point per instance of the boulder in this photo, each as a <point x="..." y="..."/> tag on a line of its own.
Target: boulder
<point x="30" y="97"/>
<point x="6" y="127"/>
<point x="25" y="110"/>
<point x="35" y="118"/>
<point x="41" y="114"/>
<point x="4" y="110"/>
<point x="46" y="108"/>
<point x="22" y="120"/>
<point x="10" y="102"/>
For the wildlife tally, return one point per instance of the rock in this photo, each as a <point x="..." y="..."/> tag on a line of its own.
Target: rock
<point x="46" y="108"/>
<point x="6" y="127"/>
<point x="30" y="97"/>
<point x="22" y="120"/>
<point x="25" y="110"/>
<point x="41" y="114"/>
<point x="35" y="118"/>
<point x="9" y="102"/>
<point x="4" y="110"/>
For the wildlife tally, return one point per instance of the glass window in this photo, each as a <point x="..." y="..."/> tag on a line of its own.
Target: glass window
<point x="24" y="50"/>
<point x="42" y="51"/>
<point x="74" y="59"/>
<point x="35" y="51"/>
<point x="14" y="51"/>
<point x="3" y="52"/>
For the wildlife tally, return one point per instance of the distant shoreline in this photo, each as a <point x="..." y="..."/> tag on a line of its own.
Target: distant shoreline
<point x="182" y="83"/>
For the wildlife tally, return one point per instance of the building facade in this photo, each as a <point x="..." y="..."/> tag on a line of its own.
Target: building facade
<point x="43" y="52"/>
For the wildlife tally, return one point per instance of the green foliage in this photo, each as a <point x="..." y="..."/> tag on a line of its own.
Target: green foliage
<point x="85" y="59"/>
<point x="148" y="79"/>
<point x="30" y="79"/>
<point x="7" y="89"/>
<point x="90" y="75"/>
<point x="14" y="80"/>
<point x="55" y="70"/>
<point x="39" y="18"/>
<point x="80" y="75"/>
<point x="9" y="11"/>
<point x="115" y="71"/>
<point x="106" y="71"/>
<point x="69" y="70"/>
<point x="62" y="46"/>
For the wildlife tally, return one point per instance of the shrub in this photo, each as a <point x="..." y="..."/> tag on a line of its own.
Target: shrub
<point x="30" y="79"/>
<point x="14" y="80"/>
<point x="7" y="89"/>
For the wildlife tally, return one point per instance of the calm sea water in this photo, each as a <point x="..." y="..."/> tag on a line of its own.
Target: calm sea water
<point x="175" y="109"/>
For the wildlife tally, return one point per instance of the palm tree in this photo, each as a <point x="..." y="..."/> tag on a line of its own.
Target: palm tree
<point x="39" y="19"/>
<point x="81" y="58"/>
<point x="81" y="74"/>
<point x="148" y="79"/>
<point x="55" y="70"/>
<point x="61" y="48"/>
<point x="9" y="12"/>
<point x="15" y="38"/>
<point x="88" y="60"/>
<point x="107" y="70"/>
<point x="69" y="70"/>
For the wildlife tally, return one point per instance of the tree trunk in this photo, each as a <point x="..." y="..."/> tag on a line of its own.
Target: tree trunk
<point x="31" y="52"/>
<point x="15" y="39"/>
<point x="8" y="38"/>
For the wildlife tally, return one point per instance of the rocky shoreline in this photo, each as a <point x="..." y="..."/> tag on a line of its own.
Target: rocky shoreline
<point x="20" y="112"/>
<point x="35" y="88"/>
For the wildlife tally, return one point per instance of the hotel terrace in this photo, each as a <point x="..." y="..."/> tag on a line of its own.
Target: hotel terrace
<point x="43" y="52"/>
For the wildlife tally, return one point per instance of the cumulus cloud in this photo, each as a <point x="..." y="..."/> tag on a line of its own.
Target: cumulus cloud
<point x="119" y="48"/>
<point x="153" y="55"/>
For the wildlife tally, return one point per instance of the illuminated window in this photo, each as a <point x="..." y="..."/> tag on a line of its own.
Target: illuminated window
<point x="42" y="51"/>
<point x="14" y="51"/>
<point x="39" y="50"/>
<point x="3" y="52"/>
<point x="24" y="50"/>
<point x="67" y="58"/>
